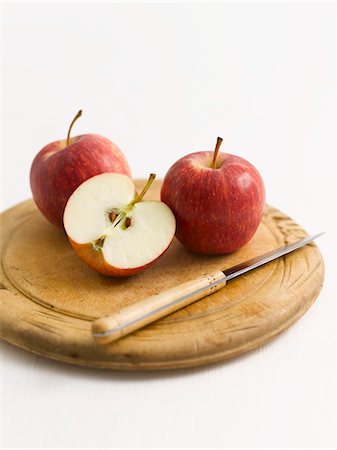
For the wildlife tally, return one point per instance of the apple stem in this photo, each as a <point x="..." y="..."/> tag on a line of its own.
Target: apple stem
<point x="216" y="151"/>
<point x="145" y="189"/>
<point x="72" y="123"/>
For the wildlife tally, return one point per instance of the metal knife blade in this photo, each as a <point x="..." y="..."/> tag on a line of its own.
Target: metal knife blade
<point x="258" y="261"/>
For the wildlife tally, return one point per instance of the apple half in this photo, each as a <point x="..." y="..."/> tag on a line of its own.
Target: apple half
<point x="112" y="230"/>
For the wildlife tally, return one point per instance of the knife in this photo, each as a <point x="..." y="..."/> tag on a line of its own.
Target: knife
<point x="131" y="318"/>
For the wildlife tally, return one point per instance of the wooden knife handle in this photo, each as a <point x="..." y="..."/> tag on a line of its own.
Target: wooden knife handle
<point x="150" y="309"/>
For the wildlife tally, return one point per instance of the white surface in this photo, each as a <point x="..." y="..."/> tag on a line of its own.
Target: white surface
<point x="162" y="81"/>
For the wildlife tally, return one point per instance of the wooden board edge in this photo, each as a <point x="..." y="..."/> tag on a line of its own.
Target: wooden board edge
<point x="214" y="358"/>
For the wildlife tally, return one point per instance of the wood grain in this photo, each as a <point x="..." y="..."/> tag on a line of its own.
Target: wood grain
<point x="48" y="297"/>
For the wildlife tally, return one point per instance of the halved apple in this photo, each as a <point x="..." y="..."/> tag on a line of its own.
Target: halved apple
<point x="112" y="230"/>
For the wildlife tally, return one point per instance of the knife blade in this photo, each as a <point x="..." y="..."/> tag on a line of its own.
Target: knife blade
<point x="131" y="318"/>
<point x="258" y="261"/>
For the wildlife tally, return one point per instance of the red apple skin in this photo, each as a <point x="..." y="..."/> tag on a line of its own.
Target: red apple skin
<point x="58" y="169"/>
<point x="95" y="260"/>
<point x="217" y="210"/>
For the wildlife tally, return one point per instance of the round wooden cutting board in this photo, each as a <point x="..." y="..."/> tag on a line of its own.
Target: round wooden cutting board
<point x="48" y="297"/>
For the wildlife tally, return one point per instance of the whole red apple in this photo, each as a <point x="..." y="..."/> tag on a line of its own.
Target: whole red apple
<point x="217" y="199"/>
<point x="60" y="167"/>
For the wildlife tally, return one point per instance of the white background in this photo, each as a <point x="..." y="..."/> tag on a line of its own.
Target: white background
<point x="163" y="80"/>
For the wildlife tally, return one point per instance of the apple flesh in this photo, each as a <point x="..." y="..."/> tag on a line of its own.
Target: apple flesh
<point x="112" y="230"/>
<point x="60" y="167"/>
<point x="218" y="200"/>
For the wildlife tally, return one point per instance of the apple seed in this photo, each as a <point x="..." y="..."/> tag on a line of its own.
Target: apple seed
<point x="112" y="216"/>
<point x="98" y="244"/>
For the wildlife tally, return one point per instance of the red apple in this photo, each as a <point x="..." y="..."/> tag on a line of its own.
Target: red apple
<point x="112" y="230"/>
<point x="217" y="199"/>
<point x="60" y="167"/>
